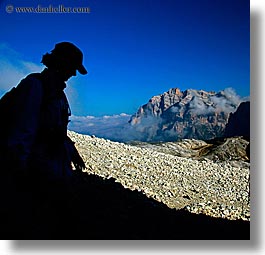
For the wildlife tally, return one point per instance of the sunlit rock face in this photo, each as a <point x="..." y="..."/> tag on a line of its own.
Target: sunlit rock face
<point x="177" y="114"/>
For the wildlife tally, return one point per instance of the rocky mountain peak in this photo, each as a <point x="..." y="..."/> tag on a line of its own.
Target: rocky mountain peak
<point x="177" y="114"/>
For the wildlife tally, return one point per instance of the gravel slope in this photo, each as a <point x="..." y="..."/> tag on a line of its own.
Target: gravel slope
<point x="217" y="189"/>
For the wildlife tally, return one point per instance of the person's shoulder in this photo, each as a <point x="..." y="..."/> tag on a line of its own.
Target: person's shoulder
<point x="32" y="81"/>
<point x="30" y="85"/>
<point x="33" y="77"/>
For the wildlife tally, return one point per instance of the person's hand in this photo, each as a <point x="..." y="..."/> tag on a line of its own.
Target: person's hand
<point x="78" y="161"/>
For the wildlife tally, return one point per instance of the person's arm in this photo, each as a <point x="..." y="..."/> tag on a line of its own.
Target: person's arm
<point x="23" y="132"/>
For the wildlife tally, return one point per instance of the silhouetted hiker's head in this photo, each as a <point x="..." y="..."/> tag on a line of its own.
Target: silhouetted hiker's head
<point x="65" y="58"/>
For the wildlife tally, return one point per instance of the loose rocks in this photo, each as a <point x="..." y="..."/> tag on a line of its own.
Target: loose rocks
<point x="218" y="189"/>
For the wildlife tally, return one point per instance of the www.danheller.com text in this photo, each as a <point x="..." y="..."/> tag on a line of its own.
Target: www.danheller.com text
<point x="48" y="9"/>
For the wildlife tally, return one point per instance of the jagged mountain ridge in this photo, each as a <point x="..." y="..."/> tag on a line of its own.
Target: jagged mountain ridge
<point x="176" y="114"/>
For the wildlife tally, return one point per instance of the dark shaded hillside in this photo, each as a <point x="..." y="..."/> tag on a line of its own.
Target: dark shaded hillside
<point x="105" y="210"/>
<point x="239" y="122"/>
<point x="129" y="214"/>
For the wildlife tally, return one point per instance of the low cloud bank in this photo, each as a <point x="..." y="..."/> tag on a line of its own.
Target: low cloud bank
<point x="118" y="128"/>
<point x="109" y="127"/>
<point x="115" y="127"/>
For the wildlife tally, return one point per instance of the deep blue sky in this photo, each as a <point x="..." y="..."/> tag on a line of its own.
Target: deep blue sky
<point x="135" y="49"/>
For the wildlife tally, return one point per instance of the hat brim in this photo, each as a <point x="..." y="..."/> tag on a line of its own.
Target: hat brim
<point x="82" y="70"/>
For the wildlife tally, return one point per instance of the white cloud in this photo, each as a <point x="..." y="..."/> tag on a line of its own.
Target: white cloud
<point x="228" y="101"/>
<point x="110" y="127"/>
<point x="13" y="68"/>
<point x="200" y="108"/>
<point x="224" y="101"/>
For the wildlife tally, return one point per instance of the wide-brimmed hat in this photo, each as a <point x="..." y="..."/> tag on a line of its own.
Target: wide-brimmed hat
<point x="70" y="53"/>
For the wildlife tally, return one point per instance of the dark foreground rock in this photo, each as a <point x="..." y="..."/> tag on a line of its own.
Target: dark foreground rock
<point x="102" y="209"/>
<point x="239" y="122"/>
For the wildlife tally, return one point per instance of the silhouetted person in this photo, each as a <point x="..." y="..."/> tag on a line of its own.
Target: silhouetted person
<point x="36" y="154"/>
